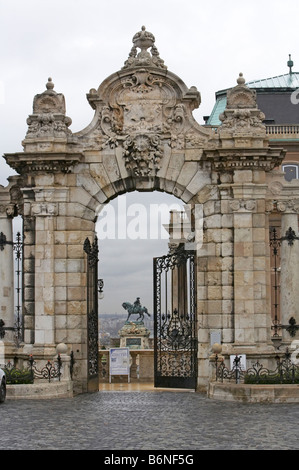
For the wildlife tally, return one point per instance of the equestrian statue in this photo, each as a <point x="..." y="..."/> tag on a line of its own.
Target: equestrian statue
<point x="135" y="309"/>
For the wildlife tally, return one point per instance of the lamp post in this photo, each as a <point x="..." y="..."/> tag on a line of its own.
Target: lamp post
<point x="100" y="289"/>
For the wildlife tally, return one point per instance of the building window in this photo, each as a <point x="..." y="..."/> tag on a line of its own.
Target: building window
<point x="291" y="171"/>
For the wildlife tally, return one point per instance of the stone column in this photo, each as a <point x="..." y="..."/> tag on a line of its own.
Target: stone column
<point x="6" y="269"/>
<point x="289" y="271"/>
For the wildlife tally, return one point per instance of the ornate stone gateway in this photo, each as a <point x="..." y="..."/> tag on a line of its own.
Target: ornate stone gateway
<point x="143" y="137"/>
<point x="175" y="329"/>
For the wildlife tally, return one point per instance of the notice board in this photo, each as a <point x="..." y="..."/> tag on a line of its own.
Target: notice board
<point x="119" y="362"/>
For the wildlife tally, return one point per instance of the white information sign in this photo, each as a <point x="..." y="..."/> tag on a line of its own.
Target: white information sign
<point x="242" y="363"/>
<point x="119" y="362"/>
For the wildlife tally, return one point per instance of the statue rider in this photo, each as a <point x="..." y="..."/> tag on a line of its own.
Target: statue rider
<point x="137" y="305"/>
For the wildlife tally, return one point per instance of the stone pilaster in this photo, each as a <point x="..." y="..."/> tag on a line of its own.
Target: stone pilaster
<point x="251" y="261"/>
<point x="44" y="274"/>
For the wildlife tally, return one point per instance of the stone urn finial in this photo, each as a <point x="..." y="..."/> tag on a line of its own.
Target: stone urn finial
<point x="50" y="84"/>
<point x="144" y="40"/>
<point x="240" y="79"/>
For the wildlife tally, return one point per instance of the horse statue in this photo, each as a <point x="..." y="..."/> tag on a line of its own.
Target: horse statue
<point x="135" y="309"/>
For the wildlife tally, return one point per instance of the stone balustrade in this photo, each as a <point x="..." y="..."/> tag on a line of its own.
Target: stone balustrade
<point x="274" y="131"/>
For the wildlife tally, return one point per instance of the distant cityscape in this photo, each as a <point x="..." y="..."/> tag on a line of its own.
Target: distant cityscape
<point x="110" y="324"/>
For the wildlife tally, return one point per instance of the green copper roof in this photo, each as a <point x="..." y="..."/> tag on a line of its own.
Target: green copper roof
<point x="219" y="107"/>
<point x="288" y="81"/>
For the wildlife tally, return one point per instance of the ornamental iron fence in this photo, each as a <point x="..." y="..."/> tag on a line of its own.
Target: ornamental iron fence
<point x="286" y="372"/>
<point x="27" y="375"/>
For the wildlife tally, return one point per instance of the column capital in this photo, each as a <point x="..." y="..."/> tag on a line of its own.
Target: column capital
<point x="291" y="206"/>
<point x="243" y="205"/>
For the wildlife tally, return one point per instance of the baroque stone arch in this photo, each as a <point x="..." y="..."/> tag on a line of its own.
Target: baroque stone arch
<point x="143" y="137"/>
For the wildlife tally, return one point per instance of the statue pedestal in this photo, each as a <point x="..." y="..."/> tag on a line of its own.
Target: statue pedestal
<point x="134" y="335"/>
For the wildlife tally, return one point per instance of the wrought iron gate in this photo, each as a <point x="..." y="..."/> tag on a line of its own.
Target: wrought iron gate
<point x="175" y="320"/>
<point x="92" y="252"/>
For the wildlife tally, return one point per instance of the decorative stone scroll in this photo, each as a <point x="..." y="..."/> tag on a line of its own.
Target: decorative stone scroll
<point x="291" y="206"/>
<point x="240" y="205"/>
<point x="44" y="209"/>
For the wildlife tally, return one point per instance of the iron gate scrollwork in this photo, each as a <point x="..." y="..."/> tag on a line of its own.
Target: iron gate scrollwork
<point x="175" y="320"/>
<point x="92" y="251"/>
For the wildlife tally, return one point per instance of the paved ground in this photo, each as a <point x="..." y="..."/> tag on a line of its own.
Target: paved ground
<point x="151" y="420"/>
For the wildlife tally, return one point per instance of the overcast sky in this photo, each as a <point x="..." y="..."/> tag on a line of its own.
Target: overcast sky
<point x="81" y="42"/>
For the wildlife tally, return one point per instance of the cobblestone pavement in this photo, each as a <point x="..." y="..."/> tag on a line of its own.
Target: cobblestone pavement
<point x="147" y="420"/>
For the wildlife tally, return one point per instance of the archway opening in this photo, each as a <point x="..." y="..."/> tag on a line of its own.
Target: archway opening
<point x="131" y="233"/>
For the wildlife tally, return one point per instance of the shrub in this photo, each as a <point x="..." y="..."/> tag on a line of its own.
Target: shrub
<point x="18" y="376"/>
<point x="271" y="379"/>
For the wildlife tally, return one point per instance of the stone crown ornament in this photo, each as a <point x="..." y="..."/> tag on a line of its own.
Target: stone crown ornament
<point x="144" y="40"/>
